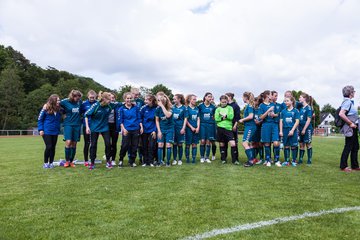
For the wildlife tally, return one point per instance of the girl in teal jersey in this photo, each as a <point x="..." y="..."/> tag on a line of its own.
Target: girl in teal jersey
<point x="305" y="127"/>
<point x="193" y="128"/>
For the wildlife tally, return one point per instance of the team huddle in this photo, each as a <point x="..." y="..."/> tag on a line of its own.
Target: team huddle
<point x="156" y="129"/>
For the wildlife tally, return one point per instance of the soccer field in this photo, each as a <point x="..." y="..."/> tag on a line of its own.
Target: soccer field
<point x="173" y="203"/>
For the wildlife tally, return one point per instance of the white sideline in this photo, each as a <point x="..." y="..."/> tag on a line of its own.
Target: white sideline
<point x="260" y="224"/>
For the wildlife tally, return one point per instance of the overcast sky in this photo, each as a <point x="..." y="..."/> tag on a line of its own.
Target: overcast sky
<point x="194" y="46"/>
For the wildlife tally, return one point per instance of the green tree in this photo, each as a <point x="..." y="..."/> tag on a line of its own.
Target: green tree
<point x="327" y="108"/>
<point x="162" y="88"/>
<point x="12" y="97"/>
<point x="121" y="91"/>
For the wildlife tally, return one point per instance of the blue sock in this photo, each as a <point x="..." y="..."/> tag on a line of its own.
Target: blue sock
<point x="294" y="153"/>
<point x="168" y="155"/>
<point x="67" y="154"/>
<point x="187" y="153"/>
<point x="180" y="152"/>
<point x="254" y="152"/>
<point x="160" y="155"/>
<point x="286" y="154"/>
<point x="309" y="154"/>
<point x="194" y="152"/>
<point x="267" y="153"/>
<point x="261" y="153"/>
<point x="249" y="154"/>
<point x="202" y="151"/>
<point x="208" y="148"/>
<point x="175" y="151"/>
<point x="276" y="153"/>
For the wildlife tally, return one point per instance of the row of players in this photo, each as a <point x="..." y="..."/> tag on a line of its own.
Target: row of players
<point x="162" y="128"/>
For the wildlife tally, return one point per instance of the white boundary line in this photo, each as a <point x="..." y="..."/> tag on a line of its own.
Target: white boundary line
<point x="260" y="224"/>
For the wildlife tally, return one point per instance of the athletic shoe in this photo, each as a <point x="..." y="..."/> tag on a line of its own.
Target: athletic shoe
<point x="202" y="160"/>
<point x="133" y="165"/>
<point x="193" y="162"/>
<point x="347" y="169"/>
<point x="108" y="165"/>
<point x="51" y="165"/>
<point x="265" y="162"/>
<point x="236" y="163"/>
<point x="151" y="165"/>
<point x="67" y="164"/>
<point x="268" y="164"/>
<point x="144" y="165"/>
<point x="255" y="160"/>
<point x="120" y="164"/>
<point x="46" y="165"/>
<point x="213" y="158"/>
<point x="300" y="161"/>
<point x="168" y="165"/>
<point x="248" y="164"/>
<point x="72" y="164"/>
<point x="113" y="163"/>
<point x="179" y="162"/>
<point x="309" y="162"/>
<point x="285" y="164"/>
<point x="223" y="162"/>
<point x="278" y="164"/>
<point x="293" y="164"/>
<point x="91" y="167"/>
<point x="86" y="164"/>
<point x="260" y="162"/>
<point x="174" y="162"/>
<point x="207" y="160"/>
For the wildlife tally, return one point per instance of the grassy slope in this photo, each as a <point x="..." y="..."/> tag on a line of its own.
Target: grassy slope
<point x="170" y="203"/>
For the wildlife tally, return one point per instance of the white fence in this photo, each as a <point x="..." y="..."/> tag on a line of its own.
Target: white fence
<point x="31" y="132"/>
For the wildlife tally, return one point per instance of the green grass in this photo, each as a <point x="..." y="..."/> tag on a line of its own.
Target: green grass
<point x="172" y="203"/>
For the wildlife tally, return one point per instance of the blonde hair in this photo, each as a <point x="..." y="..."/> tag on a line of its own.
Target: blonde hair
<point x="51" y="104"/>
<point x="103" y="95"/>
<point x="249" y="96"/>
<point x="74" y="93"/>
<point x="126" y="94"/>
<point x="188" y="99"/>
<point x="91" y="92"/>
<point x="166" y="102"/>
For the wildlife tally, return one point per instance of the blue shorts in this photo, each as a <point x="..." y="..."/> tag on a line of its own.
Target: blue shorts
<point x="257" y="135"/>
<point x="72" y="133"/>
<point x="307" y="137"/>
<point x="179" y="138"/>
<point x="207" y="131"/>
<point x="191" y="137"/>
<point x="167" y="137"/>
<point x="249" y="133"/>
<point x="290" y="141"/>
<point x="269" y="132"/>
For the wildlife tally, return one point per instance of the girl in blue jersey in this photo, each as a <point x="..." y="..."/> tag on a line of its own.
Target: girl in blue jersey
<point x="249" y="127"/>
<point x="213" y="143"/>
<point x="305" y="127"/>
<point x="180" y="118"/>
<point x="99" y="114"/>
<point x="129" y="120"/>
<point x="192" y="128"/>
<point x="257" y="144"/>
<point x="207" y="122"/>
<point x="49" y="128"/>
<point x="165" y="127"/>
<point x="269" y="129"/>
<point x="72" y="124"/>
<point x="147" y="113"/>
<point x="91" y="95"/>
<point x="139" y="103"/>
<point x="289" y="121"/>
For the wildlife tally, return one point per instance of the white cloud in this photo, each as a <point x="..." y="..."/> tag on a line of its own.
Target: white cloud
<point x="194" y="46"/>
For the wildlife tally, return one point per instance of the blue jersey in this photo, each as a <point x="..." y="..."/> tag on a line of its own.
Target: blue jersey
<point x="305" y="113"/>
<point x="257" y="114"/>
<point x="289" y="117"/>
<point x="207" y="113"/>
<point x="99" y="117"/>
<point x="49" y="123"/>
<point x="147" y="114"/>
<point x="84" y="107"/>
<point x="263" y="108"/>
<point x="165" y="123"/>
<point x="277" y="110"/>
<point x="247" y="111"/>
<point x="129" y="117"/>
<point x="179" y="115"/>
<point x="193" y="114"/>
<point x="72" y="111"/>
<point x="139" y="102"/>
